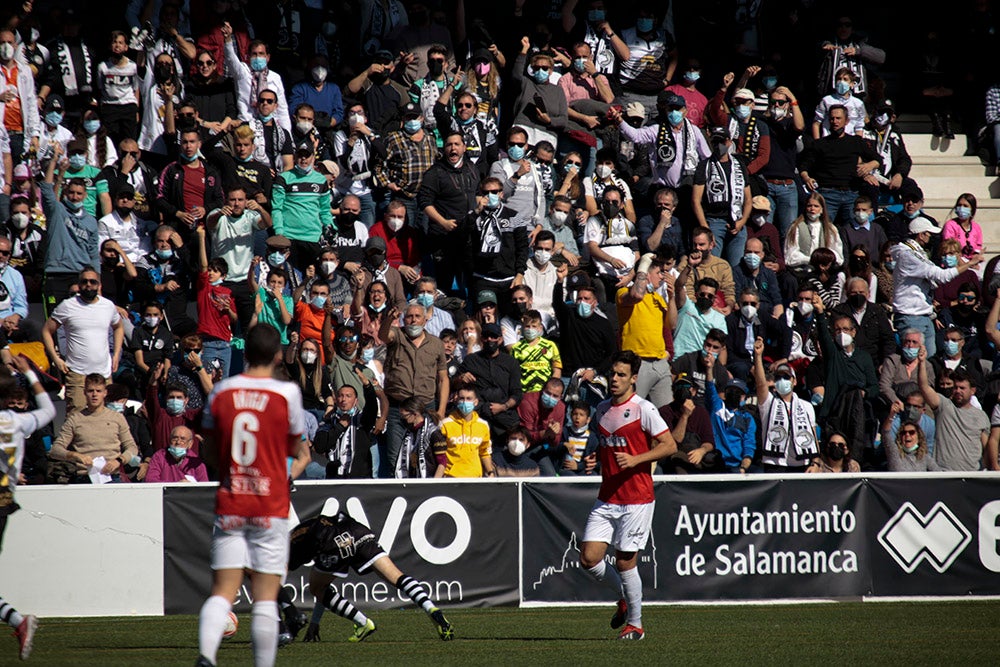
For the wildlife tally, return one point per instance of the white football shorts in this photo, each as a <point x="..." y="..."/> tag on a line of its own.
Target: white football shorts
<point x="625" y="527"/>
<point x="257" y="544"/>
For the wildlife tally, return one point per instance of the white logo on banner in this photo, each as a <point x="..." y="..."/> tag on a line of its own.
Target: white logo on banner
<point x="911" y="537"/>
<point x="571" y="561"/>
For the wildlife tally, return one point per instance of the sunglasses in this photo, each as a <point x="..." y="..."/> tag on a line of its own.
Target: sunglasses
<point x="779" y="103"/>
<point x="707" y="295"/>
<point x="4" y="253"/>
<point x="782" y="377"/>
<point x="491" y="192"/>
<point x="966" y="298"/>
<point x="205" y="63"/>
<point x="132" y="153"/>
<point x="522" y="144"/>
<point x="749" y="303"/>
<point x="348" y="339"/>
<point x="575" y="164"/>
<point x="909" y="431"/>
<point x="87" y="281"/>
<point x="465" y="105"/>
<point x="268" y="100"/>
<point x="542" y="68"/>
<point x="841" y="443"/>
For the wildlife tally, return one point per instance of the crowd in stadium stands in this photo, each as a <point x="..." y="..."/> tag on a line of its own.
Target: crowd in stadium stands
<point x="455" y="213"/>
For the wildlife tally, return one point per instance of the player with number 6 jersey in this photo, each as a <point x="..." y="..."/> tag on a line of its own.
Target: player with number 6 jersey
<point x="256" y="423"/>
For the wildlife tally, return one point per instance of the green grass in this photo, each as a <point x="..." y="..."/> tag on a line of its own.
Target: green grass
<point x="918" y="633"/>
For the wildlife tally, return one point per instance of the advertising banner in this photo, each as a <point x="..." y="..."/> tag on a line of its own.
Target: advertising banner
<point x="459" y="540"/>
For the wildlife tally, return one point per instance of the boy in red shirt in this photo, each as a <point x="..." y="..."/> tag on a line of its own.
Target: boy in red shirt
<point x="216" y="311"/>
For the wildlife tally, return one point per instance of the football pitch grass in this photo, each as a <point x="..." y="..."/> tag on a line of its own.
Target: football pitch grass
<point x="910" y="633"/>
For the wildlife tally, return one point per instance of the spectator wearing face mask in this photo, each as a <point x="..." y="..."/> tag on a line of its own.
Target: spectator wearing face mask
<point x="751" y="272"/>
<point x="402" y="241"/>
<point x="875" y="334"/>
<point x="301" y="208"/>
<point x="76" y="167"/>
<point x="732" y="424"/>
<point x="687" y="87"/>
<point x="516" y="460"/>
<point x="969" y="316"/>
<point x="27" y="246"/>
<point x="559" y="223"/>
<point x="952" y="355"/>
<point x="834" y="456"/>
<point x="540" y="107"/>
<point x="842" y="96"/>
<point x="587" y="339"/>
<point x="651" y="61"/>
<point x="177" y="463"/>
<point x="721" y="197"/>
<point x="322" y="95"/>
<point x="605" y="176"/>
<point x="355" y="155"/>
<point x="497" y="251"/>
<point x="746" y="326"/>
<point x="750" y="134"/>
<point x="523" y="189"/>
<point x="254" y="76"/>
<point x="788" y="422"/>
<point x="910" y="410"/>
<point x="962" y="427"/>
<point x="409" y="153"/>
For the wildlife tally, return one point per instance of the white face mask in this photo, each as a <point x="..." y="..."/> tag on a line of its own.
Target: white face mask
<point x="778" y="113"/>
<point x="395" y="224"/>
<point x="602" y="171"/>
<point x="304" y="126"/>
<point x="812" y="217"/>
<point x="516" y="447"/>
<point x="308" y="357"/>
<point x="20" y="220"/>
<point x="805" y="308"/>
<point x="749" y="312"/>
<point x="844" y="339"/>
<point x="559" y="218"/>
<point x="328" y="267"/>
<point x="356" y="119"/>
<point x="542" y="257"/>
<point x="6" y="51"/>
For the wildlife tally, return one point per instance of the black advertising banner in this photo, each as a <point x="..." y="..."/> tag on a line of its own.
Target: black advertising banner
<point x="459" y="540"/>
<point x="740" y="540"/>
<point x="749" y="540"/>
<point x="938" y="537"/>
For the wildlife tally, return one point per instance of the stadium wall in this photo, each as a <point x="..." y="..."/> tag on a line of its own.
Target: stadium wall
<point x="143" y="549"/>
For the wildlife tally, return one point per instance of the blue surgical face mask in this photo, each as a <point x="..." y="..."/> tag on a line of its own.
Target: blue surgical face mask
<point x="258" y="63"/>
<point x="412" y="126"/>
<point x="492" y="200"/>
<point x="540" y="75"/>
<point x="963" y="212"/>
<point x="580" y="64"/>
<point x="53" y="118"/>
<point x="216" y="283"/>
<point x="549" y="401"/>
<point x="913" y="215"/>
<point x="175" y="406"/>
<point x="889" y="265"/>
<point x="307" y="169"/>
<point x="742" y="111"/>
<point x="843" y="87"/>
<point x="276" y="258"/>
<point x="644" y="24"/>
<point x="377" y="309"/>
<point x="910" y="353"/>
<point x="752" y="260"/>
<point x="595" y="15"/>
<point x="367" y="354"/>
<point x="584" y="309"/>
<point x="117" y="407"/>
<point x="950" y="261"/>
<point x="426" y="300"/>
<point x="693" y="75"/>
<point x="318" y="301"/>
<point x="347" y="413"/>
<point x="770" y="83"/>
<point x="951" y="347"/>
<point x="91" y="126"/>
<point x="465" y="407"/>
<point x="177" y="452"/>
<point x="515" y="153"/>
<point x="73" y="205"/>
<point x="77" y="162"/>
<point x="675" y="117"/>
<point x="783" y="386"/>
<point x="164" y="253"/>
<point x="267" y="118"/>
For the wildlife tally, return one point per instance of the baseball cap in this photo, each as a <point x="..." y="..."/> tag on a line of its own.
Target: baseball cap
<point x="383" y="57"/>
<point x="921" y="224"/>
<point x="54" y="103"/>
<point x="743" y="94"/>
<point x="21" y="172"/>
<point x="683" y="380"/>
<point x="785" y="368"/>
<point x="667" y="98"/>
<point x="375" y="243"/>
<point x="127" y="191"/>
<point x="76" y="146"/>
<point x="481" y="55"/>
<point x="761" y="203"/>
<point x="303" y="150"/>
<point x="492" y="330"/>
<point x="412" y="110"/>
<point x="718" y="132"/>
<point x="738" y="384"/>
<point x="912" y="193"/>
<point x="486" y="296"/>
<point x="330" y="167"/>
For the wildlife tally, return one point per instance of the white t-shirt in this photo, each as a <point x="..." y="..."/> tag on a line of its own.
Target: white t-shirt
<point x="132" y="235"/>
<point x="232" y="240"/>
<point x="86" y="326"/>
<point x="118" y="83"/>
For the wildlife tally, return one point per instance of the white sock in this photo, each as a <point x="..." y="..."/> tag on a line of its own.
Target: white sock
<point x="211" y="625"/>
<point x="607" y="575"/>
<point x="264" y="632"/>
<point x="632" y="585"/>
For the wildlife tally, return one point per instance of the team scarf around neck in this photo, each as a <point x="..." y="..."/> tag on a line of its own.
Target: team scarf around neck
<point x="789" y="426"/>
<point x="736" y="182"/>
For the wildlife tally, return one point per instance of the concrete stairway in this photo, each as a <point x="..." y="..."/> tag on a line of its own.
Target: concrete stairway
<point x="944" y="172"/>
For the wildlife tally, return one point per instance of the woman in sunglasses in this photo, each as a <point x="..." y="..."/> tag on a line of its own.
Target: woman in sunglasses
<point x="909" y="452"/>
<point x="835" y="455"/>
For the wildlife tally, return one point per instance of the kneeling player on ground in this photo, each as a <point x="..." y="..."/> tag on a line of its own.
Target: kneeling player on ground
<point x="336" y="545"/>
<point x="632" y="436"/>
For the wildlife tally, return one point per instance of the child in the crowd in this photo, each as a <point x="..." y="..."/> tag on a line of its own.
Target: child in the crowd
<point x="538" y="356"/>
<point x="216" y="310"/>
<point x="511" y="461"/>
<point x="579" y="442"/>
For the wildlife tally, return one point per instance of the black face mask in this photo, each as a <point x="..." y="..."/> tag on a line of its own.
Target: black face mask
<point x="162" y="72"/>
<point x="519" y="308"/>
<point x="610" y="209"/>
<point x="376" y="259"/>
<point x="435" y="67"/>
<point x="858" y="264"/>
<point x="88" y="294"/>
<point x="347" y="217"/>
<point x="490" y="347"/>
<point x="720" y="149"/>
<point x="123" y="211"/>
<point x="911" y="414"/>
<point x="704" y="303"/>
<point x="378" y="78"/>
<point x="733" y="397"/>
<point x="946" y="392"/>
<point x="835" y="452"/>
<point x="857" y="301"/>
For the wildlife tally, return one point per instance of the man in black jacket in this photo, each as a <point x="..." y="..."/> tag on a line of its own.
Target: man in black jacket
<point x="346" y="437"/>
<point x="184" y="207"/>
<point x="587" y="339"/>
<point x="496" y="377"/>
<point x="496" y="248"/>
<point x="875" y="335"/>
<point x="447" y="194"/>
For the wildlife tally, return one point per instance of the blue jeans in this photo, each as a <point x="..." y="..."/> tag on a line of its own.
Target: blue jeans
<point x="839" y="205"/>
<point x="395" y="432"/>
<point x="217" y="349"/>
<point x="784" y="206"/>
<point x="923" y="324"/>
<point x="727" y="246"/>
<point x="367" y="216"/>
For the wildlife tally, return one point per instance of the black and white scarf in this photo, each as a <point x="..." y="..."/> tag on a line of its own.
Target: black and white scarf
<point x="343" y="453"/>
<point x="720" y="187"/>
<point x="488" y="224"/>
<point x="415" y="446"/>
<point x="666" y="147"/>
<point x="789" y="426"/>
<point x="750" y="143"/>
<point x="67" y="71"/>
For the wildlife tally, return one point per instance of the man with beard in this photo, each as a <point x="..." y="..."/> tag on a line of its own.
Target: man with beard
<point x="962" y="428"/>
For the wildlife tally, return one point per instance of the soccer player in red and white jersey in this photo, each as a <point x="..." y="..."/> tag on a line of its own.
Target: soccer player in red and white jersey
<point x="632" y="436"/>
<point x="256" y="423"/>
